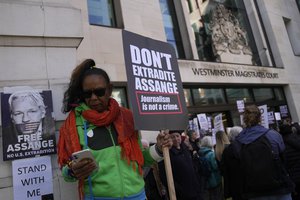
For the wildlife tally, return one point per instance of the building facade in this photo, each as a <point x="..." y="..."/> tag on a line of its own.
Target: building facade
<point x="227" y="51"/>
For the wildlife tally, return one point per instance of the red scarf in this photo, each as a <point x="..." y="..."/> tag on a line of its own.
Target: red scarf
<point x="123" y="121"/>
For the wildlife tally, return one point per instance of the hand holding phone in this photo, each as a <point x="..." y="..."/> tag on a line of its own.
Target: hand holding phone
<point x="83" y="154"/>
<point x="83" y="163"/>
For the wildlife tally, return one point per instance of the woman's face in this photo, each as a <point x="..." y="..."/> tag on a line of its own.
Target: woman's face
<point x="194" y="136"/>
<point x="97" y="92"/>
<point x="176" y="138"/>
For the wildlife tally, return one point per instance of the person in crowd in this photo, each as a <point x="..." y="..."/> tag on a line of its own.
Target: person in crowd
<point x="222" y="142"/>
<point x="296" y="128"/>
<point x="271" y="180"/>
<point x="213" y="184"/>
<point x="97" y="122"/>
<point x="154" y="188"/>
<point x="145" y="145"/>
<point x="193" y="140"/>
<point x="193" y="144"/>
<point x="202" y="133"/>
<point x="186" y="183"/>
<point x="230" y="168"/>
<point x="292" y="156"/>
<point x="234" y="131"/>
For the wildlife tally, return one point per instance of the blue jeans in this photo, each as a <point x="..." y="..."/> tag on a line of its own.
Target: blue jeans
<point x="139" y="196"/>
<point x="274" y="197"/>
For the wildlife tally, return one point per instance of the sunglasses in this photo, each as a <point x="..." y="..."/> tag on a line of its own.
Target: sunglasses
<point x="99" y="92"/>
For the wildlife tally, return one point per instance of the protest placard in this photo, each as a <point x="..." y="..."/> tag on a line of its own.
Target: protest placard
<point x="154" y="83"/>
<point x="32" y="179"/>
<point x="264" y="116"/>
<point x="28" y="125"/>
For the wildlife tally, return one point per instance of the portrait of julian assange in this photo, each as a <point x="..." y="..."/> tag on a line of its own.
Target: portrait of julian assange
<point x="28" y="128"/>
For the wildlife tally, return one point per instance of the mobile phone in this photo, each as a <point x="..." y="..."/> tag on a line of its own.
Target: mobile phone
<point x="84" y="154"/>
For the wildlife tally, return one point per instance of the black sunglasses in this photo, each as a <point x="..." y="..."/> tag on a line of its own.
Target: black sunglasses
<point x="99" y="92"/>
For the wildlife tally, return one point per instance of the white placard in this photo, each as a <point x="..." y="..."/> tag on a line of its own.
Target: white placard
<point x="284" y="111"/>
<point x="191" y="125"/>
<point x="209" y="123"/>
<point x="218" y="123"/>
<point x="240" y="105"/>
<point x="242" y="120"/>
<point x="271" y="117"/>
<point x="213" y="137"/>
<point x="264" y="116"/>
<point x="203" y="121"/>
<point x="196" y="127"/>
<point x="32" y="178"/>
<point x="277" y="116"/>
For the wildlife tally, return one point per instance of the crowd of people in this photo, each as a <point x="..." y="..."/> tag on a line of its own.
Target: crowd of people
<point x="252" y="162"/>
<point x="247" y="163"/>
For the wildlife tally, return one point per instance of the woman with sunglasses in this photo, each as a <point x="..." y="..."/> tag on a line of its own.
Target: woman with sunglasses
<point x="97" y="122"/>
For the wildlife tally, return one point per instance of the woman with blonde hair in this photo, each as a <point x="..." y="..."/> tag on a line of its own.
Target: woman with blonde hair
<point x="222" y="141"/>
<point x="212" y="182"/>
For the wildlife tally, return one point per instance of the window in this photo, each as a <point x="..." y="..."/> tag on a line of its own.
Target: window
<point x="171" y="26"/>
<point x="236" y="118"/>
<point x="223" y="33"/>
<point x="101" y="12"/>
<point x="234" y="94"/>
<point x="204" y="96"/>
<point x="119" y="94"/>
<point x="279" y="95"/>
<point x="298" y="4"/>
<point x="189" y="4"/>
<point x="291" y="28"/>
<point x="210" y="96"/>
<point x="188" y="97"/>
<point x="263" y="94"/>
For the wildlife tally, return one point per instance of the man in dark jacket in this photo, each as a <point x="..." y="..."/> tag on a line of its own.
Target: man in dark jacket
<point x="250" y="134"/>
<point x="231" y="169"/>
<point x="292" y="156"/>
<point x="186" y="183"/>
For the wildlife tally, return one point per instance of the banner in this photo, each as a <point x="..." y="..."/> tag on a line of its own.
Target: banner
<point x="203" y="121"/>
<point x="195" y="120"/>
<point x="218" y="123"/>
<point x="27" y="124"/>
<point x="213" y="136"/>
<point x="209" y="124"/>
<point x="277" y="116"/>
<point x="284" y="111"/>
<point x="154" y="84"/>
<point x="271" y="117"/>
<point x="264" y="116"/>
<point x="240" y="105"/>
<point x="32" y="179"/>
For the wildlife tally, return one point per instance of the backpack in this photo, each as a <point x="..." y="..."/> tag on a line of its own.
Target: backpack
<point x="261" y="169"/>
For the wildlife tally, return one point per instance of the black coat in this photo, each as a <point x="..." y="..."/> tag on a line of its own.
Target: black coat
<point x="231" y="172"/>
<point x="292" y="156"/>
<point x="185" y="178"/>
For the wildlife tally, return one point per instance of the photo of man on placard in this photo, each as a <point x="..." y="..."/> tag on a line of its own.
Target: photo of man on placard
<point x="28" y="126"/>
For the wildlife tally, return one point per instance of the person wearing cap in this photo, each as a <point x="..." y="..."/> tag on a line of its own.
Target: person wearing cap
<point x="193" y="140"/>
<point x="186" y="183"/>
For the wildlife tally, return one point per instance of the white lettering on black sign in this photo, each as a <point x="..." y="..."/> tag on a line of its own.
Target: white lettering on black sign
<point x="155" y="82"/>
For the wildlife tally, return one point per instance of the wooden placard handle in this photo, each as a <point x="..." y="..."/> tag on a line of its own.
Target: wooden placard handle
<point x="169" y="174"/>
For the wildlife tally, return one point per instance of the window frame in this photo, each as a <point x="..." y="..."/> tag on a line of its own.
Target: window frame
<point x="117" y="18"/>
